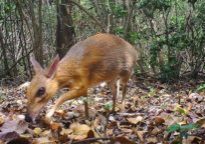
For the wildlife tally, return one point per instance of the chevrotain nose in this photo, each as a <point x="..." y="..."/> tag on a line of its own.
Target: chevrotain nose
<point x="28" y="118"/>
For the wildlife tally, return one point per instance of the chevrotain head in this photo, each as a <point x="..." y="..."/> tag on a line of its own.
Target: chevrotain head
<point x="42" y="87"/>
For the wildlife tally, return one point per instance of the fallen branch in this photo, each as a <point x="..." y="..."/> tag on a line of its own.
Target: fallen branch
<point x="92" y="140"/>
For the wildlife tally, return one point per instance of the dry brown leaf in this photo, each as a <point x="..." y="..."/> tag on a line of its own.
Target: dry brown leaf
<point x="196" y="97"/>
<point x="201" y="122"/>
<point x="60" y="113"/>
<point x="184" y="122"/>
<point x="140" y="135"/>
<point x="159" y="120"/>
<point x="190" y="105"/>
<point x="155" y="131"/>
<point x="122" y="140"/>
<point x="46" y="133"/>
<point x="1" y="121"/>
<point x="191" y="140"/>
<point x="170" y="119"/>
<point x="152" y="139"/>
<point x="135" y="120"/>
<point x="65" y="131"/>
<point x="79" y="131"/>
<point x="44" y="140"/>
<point x="26" y="135"/>
<point x="109" y="132"/>
<point x="12" y="129"/>
<point x="19" y="141"/>
<point x="55" y="126"/>
<point x="126" y="130"/>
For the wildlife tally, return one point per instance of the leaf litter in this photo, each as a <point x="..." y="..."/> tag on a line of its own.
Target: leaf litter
<point x="152" y="112"/>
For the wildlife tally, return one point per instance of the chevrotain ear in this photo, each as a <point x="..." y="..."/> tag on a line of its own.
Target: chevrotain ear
<point x="53" y="66"/>
<point x="37" y="67"/>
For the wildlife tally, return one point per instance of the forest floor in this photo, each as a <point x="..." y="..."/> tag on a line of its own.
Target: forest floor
<point x="152" y="112"/>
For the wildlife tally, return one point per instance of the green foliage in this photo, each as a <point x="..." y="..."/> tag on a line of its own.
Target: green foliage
<point x="173" y="128"/>
<point x="181" y="33"/>
<point x="5" y="8"/>
<point x="154" y="49"/>
<point x="151" y="6"/>
<point x="182" y="129"/>
<point x="200" y="88"/>
<point x="108" y="106"/>
<point x="155" y="4"/>
<point x="133" y="37"/>
<point x="119" y="31"/>
<point x="2" y="95"/>
<point x="118" y="10"/>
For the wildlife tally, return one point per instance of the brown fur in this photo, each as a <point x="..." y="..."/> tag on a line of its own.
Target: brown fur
<point x="99" y="58"/>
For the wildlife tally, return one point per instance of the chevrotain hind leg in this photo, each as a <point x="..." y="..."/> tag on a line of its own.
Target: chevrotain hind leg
<point x="124" y="80"/>
<point x="113" y="87"/>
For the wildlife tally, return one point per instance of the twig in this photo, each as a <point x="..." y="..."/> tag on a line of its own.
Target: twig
<point x="107" y="119"/>
<point x="9" y="69"/>
<point x="130" y="114"/>
<point x="92" y="140"/>
<point x="90" y="15"/>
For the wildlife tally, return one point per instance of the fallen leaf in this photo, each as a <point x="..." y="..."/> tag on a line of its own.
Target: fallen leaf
<point x="201" y="123"/>
<point x="14" y="125"/>
<point x="1" y="121"/>
<point x="126" y="130"/>
<point x="65" y="131"/>
<point x="122" y="140"/>
<point x="55" y="126"/>
<point x="159" y="120"/>
<point x="140" y="135"/>
<point x="152" y="139"/>
<point x="196" y="97"/>
<point x="37" y="131"/>
<point x="60" y="113"/>
<point x="44" y="140"/>
<point x="12" y="129"/>
<point x="155" y="131"/>
<point x="191" y="140"/>
<point x="19" y="141"/>
<point x="135" y="120"/>
<point x="79" y="131"/>
<point x="46" y="133"/>
<point x="181" y="110"/>
<point x="8" y="136"/>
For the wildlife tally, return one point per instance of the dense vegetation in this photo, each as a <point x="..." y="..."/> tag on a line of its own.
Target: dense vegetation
<point x="168" y="33"/>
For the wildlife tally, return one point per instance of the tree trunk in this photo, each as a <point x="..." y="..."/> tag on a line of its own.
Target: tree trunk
<point x="37" y="31"/>
<point x="65" y="33"/>
<point x="6" y="67"/>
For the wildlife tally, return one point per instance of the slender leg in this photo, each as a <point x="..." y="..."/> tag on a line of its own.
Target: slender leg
<point x="86" y="107"/>
<point x="113" y="88"/>
<point x="118" y="88"/>
<point x="124" y="91"/>
<point x="124" y="80"/>
<point x="75" y="93"/>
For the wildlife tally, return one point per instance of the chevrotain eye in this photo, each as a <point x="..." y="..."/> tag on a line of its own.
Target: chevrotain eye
<point x="41" y="91"/>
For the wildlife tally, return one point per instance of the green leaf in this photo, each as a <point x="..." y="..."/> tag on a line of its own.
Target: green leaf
<point x="188" y="127"/>
<point x="108" y="106"/>
<point x="173" y="128"/>
<point x="200" y="88"/>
